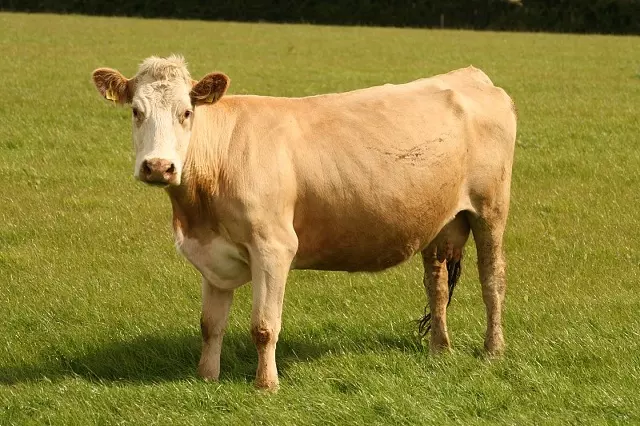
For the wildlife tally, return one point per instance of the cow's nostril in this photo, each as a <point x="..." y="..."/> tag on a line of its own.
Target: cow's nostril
<point x="146" y="168"/>
<point x="171" y="169"/>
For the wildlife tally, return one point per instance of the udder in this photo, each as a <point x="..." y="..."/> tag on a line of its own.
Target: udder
<point x="219" y="261"/>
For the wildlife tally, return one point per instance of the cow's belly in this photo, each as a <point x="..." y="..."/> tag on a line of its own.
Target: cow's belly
<point x="219" y="261"/>
<point x="367" y="237"/>
<point x="362" y="248"/>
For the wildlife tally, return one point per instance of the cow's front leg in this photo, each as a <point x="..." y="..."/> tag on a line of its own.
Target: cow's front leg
<point x="216" y="304"/>
<point x="270" y="264"/>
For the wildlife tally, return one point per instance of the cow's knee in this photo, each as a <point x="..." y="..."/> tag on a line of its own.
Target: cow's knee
<point x="261" y="336"/>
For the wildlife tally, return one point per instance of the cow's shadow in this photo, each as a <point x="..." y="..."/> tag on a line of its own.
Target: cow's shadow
<point x="159" y="358"/>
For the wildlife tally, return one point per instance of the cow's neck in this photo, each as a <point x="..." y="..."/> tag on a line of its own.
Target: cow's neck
<point x="193" y="209"/>
<point x="194" y="200"/>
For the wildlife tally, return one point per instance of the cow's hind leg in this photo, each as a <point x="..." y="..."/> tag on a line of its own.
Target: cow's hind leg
<point x="442" y="266"/>
<point x="488" y="233"/>
<point x="216" y="304"/>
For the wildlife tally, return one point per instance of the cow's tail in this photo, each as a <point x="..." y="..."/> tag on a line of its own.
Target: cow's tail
<point x="454" y="269"/>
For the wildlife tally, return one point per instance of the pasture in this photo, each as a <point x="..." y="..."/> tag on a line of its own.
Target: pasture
<point x="99" y="314"/>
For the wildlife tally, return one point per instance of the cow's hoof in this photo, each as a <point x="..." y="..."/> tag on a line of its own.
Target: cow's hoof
<point x="439" y="350"/>
<point x="439" y="345"/>
<point x="270" y="386"/>
<point x="207" y="373"/>
<point x="494" y="348"/>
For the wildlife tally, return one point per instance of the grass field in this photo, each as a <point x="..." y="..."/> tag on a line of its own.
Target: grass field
<point x="99" y="314"/>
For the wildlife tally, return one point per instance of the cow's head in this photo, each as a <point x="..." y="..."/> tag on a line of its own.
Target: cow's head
<point x="162" y="96"/>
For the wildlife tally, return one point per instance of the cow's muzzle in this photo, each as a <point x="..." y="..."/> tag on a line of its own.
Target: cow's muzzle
<point x="157" y="171"/>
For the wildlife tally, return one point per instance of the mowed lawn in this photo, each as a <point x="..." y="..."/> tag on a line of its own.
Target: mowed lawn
<point x="99" y="315"/>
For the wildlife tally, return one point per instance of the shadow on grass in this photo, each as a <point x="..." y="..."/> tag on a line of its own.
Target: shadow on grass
<point x="157" y="358"/>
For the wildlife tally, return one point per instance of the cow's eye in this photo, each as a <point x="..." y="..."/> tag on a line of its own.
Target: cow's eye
<point x="136" y="113"/>
<point x="186" y="115"/>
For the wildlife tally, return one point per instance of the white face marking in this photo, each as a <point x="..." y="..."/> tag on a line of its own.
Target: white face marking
<point x="162" y="119"/>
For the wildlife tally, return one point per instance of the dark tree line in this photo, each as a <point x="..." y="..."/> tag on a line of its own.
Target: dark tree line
<point x="581" y="16"/>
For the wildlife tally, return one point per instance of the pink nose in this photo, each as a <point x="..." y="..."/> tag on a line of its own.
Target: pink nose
<point x="157" y="170"/>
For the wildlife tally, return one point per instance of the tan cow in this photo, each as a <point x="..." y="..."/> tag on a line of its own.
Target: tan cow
<point x="356" y="181"/>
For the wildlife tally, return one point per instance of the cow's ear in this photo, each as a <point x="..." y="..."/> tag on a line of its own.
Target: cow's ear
<point x="113" y="85"/>
<point x="210" y="89"/>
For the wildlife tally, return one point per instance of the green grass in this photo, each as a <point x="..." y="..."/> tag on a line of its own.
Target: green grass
<point x="99" y="314"/>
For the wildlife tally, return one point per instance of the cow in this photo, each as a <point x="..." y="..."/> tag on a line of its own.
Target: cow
<point x="354" y="181"/>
